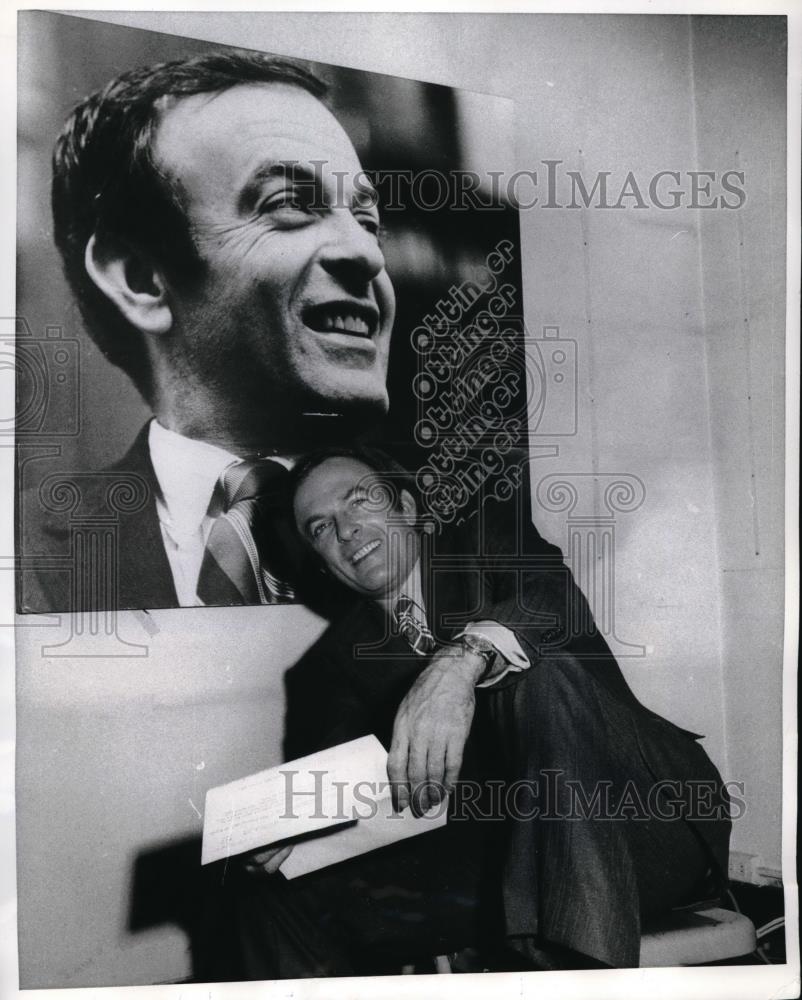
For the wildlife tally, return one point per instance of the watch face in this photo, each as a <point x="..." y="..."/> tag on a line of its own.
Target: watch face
<point x="478" y="644"/>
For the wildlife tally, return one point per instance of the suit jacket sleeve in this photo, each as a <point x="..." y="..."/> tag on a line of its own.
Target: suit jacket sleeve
<point x="526" y="586"/>
<point x="323" y="710"/>
<point x="523" y="582"/>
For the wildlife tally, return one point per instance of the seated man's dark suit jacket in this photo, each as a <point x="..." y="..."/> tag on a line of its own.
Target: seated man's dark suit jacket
<point x="581" y="884"/>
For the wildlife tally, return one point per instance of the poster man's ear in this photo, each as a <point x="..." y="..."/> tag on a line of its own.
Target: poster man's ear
<point x="132" y="282"/>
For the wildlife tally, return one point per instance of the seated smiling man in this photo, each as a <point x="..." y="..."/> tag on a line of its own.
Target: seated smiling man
<point x="456" y="653"/>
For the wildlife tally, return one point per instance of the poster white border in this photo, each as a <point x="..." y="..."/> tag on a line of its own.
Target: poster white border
<point x="733" y="983"/>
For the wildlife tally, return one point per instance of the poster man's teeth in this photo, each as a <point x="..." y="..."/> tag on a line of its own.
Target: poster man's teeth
<point x="345" y="322"/>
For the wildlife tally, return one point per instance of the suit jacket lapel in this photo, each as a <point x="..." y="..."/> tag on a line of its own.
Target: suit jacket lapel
<point x="449" y="592"/>
<point x="145" y="578"/>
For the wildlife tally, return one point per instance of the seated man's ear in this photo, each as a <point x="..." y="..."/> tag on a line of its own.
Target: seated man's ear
<point x="408" y="507"/>
<point x="132" y="282"/>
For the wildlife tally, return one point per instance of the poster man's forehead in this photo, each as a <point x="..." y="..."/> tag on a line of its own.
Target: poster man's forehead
<point x="216" y="144"/>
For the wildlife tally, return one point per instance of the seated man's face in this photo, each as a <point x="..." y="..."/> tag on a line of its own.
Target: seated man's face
<point x="294" y="308"/>
<point x="365" y="540"/>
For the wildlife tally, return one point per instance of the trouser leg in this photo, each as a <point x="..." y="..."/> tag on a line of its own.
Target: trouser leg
<point x="411" y="900"/>
<point x="579" y="874"/>
<point x="582" y="870"/>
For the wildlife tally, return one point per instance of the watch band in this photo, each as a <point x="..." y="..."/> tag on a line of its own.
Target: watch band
<point x="485" y="649"/>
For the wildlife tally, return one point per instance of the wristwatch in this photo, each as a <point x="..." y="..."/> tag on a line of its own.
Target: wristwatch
<point x="485" y="649"/>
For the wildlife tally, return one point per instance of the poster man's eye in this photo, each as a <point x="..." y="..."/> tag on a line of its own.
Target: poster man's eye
<point x="298" y="198"/>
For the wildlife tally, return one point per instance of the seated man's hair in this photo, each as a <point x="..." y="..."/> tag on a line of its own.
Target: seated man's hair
<point x="315" y="586"/>
<point x="390" y="475"/>
<point x="105" y="180"/>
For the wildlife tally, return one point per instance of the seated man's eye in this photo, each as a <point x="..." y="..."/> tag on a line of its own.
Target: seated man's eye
<point x="318" y="529"/>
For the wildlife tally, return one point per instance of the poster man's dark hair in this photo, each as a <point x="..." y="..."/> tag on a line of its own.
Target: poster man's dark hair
<point x="106" y="180"/>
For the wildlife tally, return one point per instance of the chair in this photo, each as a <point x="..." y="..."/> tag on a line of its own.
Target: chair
<point x="681" y="937"/>
<point x="696" y="937"/>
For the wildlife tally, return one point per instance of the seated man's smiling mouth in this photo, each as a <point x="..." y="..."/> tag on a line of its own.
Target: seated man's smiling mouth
<point x="365" y="550"/>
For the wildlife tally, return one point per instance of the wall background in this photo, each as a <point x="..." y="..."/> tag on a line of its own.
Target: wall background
<point x="678" y="319"/>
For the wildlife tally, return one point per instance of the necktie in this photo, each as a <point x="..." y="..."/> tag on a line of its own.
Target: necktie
<point x="409" y="618"/>
<point x="234" y="568"/>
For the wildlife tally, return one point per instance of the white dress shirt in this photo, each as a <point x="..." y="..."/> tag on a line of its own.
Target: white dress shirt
<point x="187" y="471"/>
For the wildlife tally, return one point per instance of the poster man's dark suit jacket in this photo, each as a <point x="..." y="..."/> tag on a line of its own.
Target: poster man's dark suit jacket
<point x="113" y="510"/>
<point x="119" y="501"/>
<point x="351" y="682"/>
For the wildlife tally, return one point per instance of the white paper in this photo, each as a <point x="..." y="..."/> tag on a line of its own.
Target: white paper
<point x="382" y="826"/>
<point x="344" y="788"/>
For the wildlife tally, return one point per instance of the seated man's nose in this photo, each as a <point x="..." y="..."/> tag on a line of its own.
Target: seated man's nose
<point x="348" y="530"/>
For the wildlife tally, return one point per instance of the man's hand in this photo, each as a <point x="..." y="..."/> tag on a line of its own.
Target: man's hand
<point x="431" y="727"/>
<point x="267" y="861"/>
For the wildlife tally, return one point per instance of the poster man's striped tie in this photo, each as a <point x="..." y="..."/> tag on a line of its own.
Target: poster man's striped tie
<point x="234" y="570"/>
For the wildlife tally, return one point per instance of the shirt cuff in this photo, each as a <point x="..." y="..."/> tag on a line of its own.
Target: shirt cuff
<point x="511" y="658"/>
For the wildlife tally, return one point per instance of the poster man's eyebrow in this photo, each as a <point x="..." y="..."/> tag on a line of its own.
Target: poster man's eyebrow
<point x="365" y="194"/>
<point x="297" y="173"/>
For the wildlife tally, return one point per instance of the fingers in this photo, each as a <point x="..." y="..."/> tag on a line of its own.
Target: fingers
<point x="429" y="785"/>
<point x="431" y="728"/>
<point x="261" y="857"/>
<point x="397" y="761"/>
<point x="418" y="776"/>
<point x="453" y="764"/>
<point x="273" y="865"/>
<point x="435" y="775"/>
<point x="267" y="861"/>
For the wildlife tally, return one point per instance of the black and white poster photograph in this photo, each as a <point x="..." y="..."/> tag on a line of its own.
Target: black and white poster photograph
<point x="400" y="464"/>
